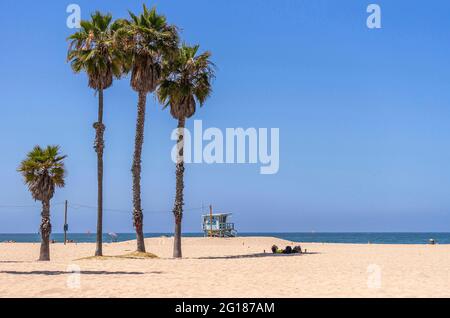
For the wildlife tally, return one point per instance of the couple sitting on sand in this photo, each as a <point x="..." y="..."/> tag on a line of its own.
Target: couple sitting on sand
<point x="288" y="250"/>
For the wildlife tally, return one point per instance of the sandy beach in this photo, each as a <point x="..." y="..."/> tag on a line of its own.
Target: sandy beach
<point x="234" y="267"/>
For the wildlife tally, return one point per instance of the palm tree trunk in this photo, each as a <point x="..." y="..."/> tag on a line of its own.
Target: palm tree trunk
<point x="138" y="216"/>
<point x="99" y="146"/>
<point x="179" y="200"/>
<point x="46" y="229"/>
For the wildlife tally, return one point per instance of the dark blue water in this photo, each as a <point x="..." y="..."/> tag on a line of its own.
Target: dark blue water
<point x="355" y="238"/>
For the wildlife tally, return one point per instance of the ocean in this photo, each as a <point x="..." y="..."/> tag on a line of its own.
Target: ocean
<point x="354" y="238"/>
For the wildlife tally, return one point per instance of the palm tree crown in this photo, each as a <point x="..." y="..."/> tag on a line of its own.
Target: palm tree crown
<point x="147" y="38"/>
<point x="187" y="80"/>
<point x="43" y="170"/>
<point x="93" y="50"/>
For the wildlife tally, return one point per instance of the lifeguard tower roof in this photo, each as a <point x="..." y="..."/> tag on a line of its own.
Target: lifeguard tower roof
<point x="217" y="214"/>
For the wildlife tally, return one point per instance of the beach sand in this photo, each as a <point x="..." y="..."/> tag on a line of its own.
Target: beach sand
<point x="236" y="267"/>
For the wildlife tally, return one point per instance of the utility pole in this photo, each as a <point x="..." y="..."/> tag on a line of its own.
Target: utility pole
<point x="210" y="221"/>
<point x="66" y="226"/>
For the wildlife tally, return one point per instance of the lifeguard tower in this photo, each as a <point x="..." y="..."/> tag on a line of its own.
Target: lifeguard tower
<point x="217" y="225"/>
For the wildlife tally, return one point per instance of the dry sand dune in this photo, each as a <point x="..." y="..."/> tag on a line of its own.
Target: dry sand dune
<point x="227" y="268"/>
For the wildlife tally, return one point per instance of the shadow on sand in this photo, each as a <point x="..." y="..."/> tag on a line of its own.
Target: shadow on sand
<point x="15" y="262"/>
<point x="52" y="273"/>
<point x="257" y="255"/>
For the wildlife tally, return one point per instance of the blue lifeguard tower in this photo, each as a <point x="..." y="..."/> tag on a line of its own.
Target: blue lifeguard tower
<point x="218" y="225"/>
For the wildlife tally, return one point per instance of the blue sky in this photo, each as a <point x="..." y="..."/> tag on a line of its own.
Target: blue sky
<point x="363" y="116"/>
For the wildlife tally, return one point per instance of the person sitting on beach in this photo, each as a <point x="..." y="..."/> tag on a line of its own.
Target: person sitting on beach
<point x="288" y="250"/>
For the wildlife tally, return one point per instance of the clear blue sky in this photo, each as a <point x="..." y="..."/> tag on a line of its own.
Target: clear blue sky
<point x="364" y="116"/>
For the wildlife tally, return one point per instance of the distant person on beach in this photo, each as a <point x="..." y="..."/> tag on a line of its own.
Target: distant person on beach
<point x="288" y="250"/>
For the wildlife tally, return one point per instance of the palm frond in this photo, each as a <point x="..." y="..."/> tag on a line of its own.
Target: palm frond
<point x="187" y="81"/>
<point x="148" y="38"/>
<point x="94" y="49"/>
<point x="43" y="170"/>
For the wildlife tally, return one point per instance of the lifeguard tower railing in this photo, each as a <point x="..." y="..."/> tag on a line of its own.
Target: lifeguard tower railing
<point x="217" y="225"/>
<point x="222" y="226"/>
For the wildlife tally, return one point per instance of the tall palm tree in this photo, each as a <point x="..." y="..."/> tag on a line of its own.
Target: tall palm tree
<point x="92" y="49"/>
<point x="187" y="82"/>
<point x="148" y="39"/>
<point x="43" y="170"/>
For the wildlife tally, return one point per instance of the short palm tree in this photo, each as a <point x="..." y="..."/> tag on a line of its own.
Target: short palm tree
<point x="147" y="39"/>
<point x="92" y="50"/>
<point x="187" y="81"/>
<point x="43" y="170"/>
